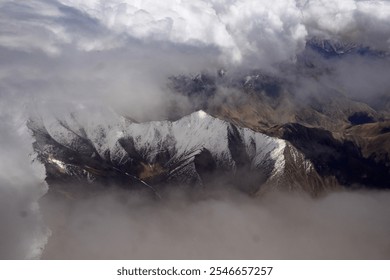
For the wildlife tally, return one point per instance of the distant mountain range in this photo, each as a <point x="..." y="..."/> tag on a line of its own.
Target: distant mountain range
<point x="265" y="135"/>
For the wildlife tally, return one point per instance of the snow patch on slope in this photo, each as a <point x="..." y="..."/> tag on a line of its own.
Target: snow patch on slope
<point x="182" y="139"/>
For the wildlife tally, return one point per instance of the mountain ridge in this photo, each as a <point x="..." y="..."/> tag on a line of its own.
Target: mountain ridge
<point x="180" y="152"/>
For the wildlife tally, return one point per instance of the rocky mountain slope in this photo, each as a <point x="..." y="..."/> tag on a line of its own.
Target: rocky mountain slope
<point x="196" y="150"/>
<point x="249" y="129"/>
<point x="343" y="135"/>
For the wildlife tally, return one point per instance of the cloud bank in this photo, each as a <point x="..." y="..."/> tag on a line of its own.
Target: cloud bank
<point x="23" y="232"/>
<point x="219" y="224"/>
<point x="241" y="30"/>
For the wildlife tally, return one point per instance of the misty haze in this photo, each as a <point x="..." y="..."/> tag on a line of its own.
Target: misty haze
<point x="211" y="129"/>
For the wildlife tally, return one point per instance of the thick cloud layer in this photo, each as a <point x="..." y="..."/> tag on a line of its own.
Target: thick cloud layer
<point x="365" y="22"/>
<point x="121" y="52"/>
<point x="23" y="233"/>
<point x="242" y="30"/>
<point x="219" y="225"/>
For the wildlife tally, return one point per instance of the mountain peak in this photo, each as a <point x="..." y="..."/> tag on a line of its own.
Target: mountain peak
<point x="189" y="151"/>
<point x="202" y="114"/>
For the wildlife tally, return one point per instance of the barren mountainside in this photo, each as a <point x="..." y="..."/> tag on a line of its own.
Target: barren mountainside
<point x="194" y="151"/>
<point x="250" y="129"/>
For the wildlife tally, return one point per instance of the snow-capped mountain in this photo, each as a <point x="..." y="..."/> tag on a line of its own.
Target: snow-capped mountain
<point x="334" y="48"/>
<point x="104" y="147"/>
<point x="249" y="128"/>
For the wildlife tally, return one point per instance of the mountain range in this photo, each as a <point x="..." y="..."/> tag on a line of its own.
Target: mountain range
<point x="266" y="133"/>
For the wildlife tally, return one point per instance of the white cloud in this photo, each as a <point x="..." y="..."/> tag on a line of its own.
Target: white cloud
<point x="265" y="31"/>
<point x="244" y="31"/>
<point x="366" y="22"/>
<point x="219" y="225"/>
<point x="23" y="233"/>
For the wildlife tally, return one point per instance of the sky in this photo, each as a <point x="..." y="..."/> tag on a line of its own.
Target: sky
<point x="57" y="54"/>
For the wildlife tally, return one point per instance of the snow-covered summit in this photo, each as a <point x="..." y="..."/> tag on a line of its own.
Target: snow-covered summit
<point x="87" y="145"/>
